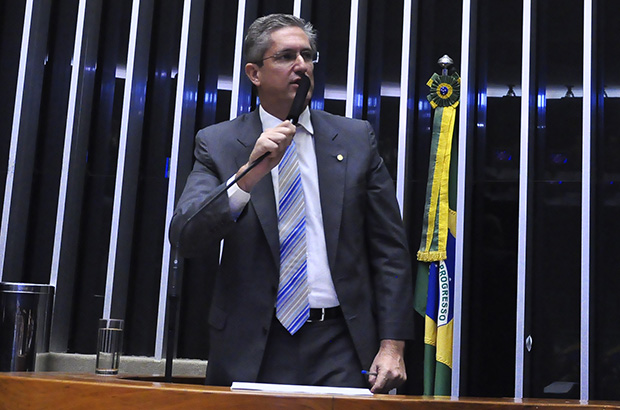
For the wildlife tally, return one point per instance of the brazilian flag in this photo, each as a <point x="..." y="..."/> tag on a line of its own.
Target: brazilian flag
<point x="434" y="293"/>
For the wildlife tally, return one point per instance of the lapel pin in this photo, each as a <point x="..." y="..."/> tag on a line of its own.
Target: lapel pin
<point x="340" y="157"/>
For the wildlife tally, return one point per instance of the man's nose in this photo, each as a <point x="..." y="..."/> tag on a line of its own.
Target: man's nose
<point x="300" y="64"/>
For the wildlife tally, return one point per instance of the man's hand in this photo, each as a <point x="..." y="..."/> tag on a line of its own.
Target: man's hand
<point x="389" y="367"/>
<point x="273" y="140"/>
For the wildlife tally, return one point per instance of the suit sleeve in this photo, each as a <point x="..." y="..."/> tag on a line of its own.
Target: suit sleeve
<point x="202" y="216"/>
<point x="388" y="251"/>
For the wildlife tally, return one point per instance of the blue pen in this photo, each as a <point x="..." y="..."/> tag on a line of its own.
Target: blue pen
<point x="367" y="373"/>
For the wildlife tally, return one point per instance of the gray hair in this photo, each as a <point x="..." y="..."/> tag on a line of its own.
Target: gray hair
<point x="258" y="38"/>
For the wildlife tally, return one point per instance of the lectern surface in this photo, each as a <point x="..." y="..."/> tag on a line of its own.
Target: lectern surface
<point x="88" y="391"/>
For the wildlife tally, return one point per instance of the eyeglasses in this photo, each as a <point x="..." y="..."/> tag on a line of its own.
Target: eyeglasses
<point x="288" y="57"/>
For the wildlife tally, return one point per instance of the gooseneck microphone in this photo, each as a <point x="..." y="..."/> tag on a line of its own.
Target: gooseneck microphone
<point x="174" y="282"/>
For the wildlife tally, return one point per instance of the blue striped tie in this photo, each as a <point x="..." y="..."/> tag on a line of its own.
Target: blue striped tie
<point x="292" y="306"/>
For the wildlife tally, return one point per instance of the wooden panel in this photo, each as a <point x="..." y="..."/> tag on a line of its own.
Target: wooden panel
<point x="82" y="391"/>
<point x="79" y="391"/>
<point x="446" y="403"/>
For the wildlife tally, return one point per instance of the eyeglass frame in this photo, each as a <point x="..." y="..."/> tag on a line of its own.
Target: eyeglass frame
<point x="291" y="62"/>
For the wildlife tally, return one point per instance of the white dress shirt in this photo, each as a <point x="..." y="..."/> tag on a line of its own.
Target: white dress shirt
<point x="322" y="291"/>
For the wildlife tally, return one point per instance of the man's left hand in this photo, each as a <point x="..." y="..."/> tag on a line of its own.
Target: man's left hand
<point x="389" y="367"/>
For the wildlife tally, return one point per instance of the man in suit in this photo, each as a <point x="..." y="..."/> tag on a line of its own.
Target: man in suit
<point x="356" y="267"/>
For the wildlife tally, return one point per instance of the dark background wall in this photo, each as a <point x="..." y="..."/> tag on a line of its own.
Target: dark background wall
<point x="95" y="145"/>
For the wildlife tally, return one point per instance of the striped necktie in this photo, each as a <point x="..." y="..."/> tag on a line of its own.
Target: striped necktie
<point x="292" y="306"/>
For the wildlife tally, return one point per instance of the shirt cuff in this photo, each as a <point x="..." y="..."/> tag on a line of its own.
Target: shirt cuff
<point x="237" y="198"/>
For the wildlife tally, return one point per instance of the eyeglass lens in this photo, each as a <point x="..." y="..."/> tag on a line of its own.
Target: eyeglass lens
<point x="289" y="56"/>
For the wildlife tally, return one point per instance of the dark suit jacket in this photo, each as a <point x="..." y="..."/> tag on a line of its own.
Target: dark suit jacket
<point x="366" y="242"/>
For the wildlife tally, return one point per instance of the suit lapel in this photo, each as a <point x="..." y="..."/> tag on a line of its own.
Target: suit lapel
<point x="331" y="157"/>
<point x="263" y="199"/>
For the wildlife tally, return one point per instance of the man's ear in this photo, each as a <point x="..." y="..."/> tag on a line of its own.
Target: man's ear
<point x="253" y="73"/>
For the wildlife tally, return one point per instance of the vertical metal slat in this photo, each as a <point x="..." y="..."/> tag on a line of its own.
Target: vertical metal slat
<point x="460" y="205"/>
<point x="69" y="127"/>
<point x="234" y="100"/>
<point x="17" y="111"/>
<point x="297" y="8"/>
<point x="172" y="179"/>
<point x="523" y="198"/>
<point x="402" y="107"/>
<point x="584" y="385"/>
<point x="122" y="153"/>
<point x="351" y="60"/>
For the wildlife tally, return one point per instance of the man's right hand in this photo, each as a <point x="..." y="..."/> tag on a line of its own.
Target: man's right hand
<point x="274" y="141"/>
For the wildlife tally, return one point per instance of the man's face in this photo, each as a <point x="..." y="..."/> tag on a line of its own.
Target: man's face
<point x="283" y="65"/>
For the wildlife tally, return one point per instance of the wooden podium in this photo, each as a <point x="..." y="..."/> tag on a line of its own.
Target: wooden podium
<point x="92" y="392"/>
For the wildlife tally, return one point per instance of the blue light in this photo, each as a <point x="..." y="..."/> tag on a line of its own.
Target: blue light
<point x="317" y="105"/>
<point x="482" y="99"/>
<point x="167" y="173"/>
<point x="359" y="100"/>
<point x="191" y="96"/>
<point x="542" y="100"/>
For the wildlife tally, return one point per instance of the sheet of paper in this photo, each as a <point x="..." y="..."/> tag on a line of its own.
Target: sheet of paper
<point x="293" y="388"/>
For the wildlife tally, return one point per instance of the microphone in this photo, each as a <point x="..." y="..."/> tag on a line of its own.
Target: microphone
<point x="297" y="107"/>
<point x="174" y="283"/>
<point x="299" y="102"/>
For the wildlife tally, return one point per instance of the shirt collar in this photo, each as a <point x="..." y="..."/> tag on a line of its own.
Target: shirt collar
<point x="269" y="121"/>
